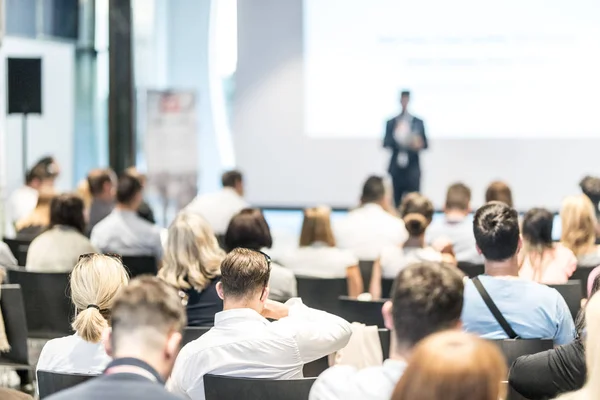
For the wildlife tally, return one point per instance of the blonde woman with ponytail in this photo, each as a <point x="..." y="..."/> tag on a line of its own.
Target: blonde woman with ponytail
<point x="95" y="282"/>
<point x="416" y="211"/>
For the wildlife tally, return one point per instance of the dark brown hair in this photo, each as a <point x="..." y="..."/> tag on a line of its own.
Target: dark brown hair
<point x="417" y="212"/>
<point x="248" y="229"/>
<point x="496" y="230"/>
<point x="231" y="178"/>
<point x="243" y="272"/>
<point x="499" y="191"/>
<point x="458" y="197"/>
<point x="67" y="209"/>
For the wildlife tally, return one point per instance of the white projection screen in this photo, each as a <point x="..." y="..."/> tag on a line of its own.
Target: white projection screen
<point x="507" y="90"/>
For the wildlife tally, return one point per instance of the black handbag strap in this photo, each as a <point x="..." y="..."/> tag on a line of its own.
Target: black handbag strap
<point x="494" y="309"/>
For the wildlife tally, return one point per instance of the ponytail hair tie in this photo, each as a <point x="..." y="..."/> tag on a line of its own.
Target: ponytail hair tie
<point x="93" y="306"/>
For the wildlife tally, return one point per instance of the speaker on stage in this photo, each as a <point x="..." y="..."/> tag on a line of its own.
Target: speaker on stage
<point x="24" y="85"/>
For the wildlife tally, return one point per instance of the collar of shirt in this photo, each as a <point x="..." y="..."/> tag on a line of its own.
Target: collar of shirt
<point x="231" y="192"/>
<point x="135" y="363"/>
<point x="246" y="314"/>
<point x="372" y="207"/>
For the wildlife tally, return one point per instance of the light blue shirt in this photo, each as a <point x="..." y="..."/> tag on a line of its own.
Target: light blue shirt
<point x="460" y="234"/>
<point x="123" y="232"/>
<point x="534" y="311"/>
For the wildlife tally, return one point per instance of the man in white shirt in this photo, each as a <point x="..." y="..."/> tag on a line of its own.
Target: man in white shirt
<point x="243" y="343"/>
<point x="428" y="298"/>
<point x="218" y="208"/>
<point x="369" y="228"/>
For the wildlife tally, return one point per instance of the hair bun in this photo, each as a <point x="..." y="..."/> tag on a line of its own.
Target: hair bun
<point x="415" y="223"/>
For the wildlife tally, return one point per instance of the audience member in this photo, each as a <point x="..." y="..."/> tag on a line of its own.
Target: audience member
<point x="416" y="211"/>
<point x="58" y="249"/>
<point x="147" y="321"/>
<point x="192" y="264"/>
<point x="318" y="256"/>
<point x="499" y="191"/>
<point x="578" y="224"/>
<point x="250" y="230"/>
<point x="123" y="231"/>
<point x="590" y="186"/>
<point x="453" y="366"/>
<point x="102" y="185"/>
<point x="428" y="297"/>
<point x="218" y="208"/>
<point x="39" y="219"/>
<point x="540" y="259"/>
<point x="96" y="281"/>
<point x="7" y="259"/>
<point x="144" y="211"/>
<point x="456" y="227"/>
<point x="244" y="343"/>
<point x="530" y="310"/>
<point x="371" y="227"/>
<point x="547" y="374"/>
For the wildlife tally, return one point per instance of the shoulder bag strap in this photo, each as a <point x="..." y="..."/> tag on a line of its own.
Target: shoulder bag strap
<point x="494" y="309"/>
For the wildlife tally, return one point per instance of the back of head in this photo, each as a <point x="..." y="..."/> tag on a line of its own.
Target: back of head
<point x="373" y="190"/>
<point x="133" y="171"/>
<point x="427" y="298"/>
<point x="453" y="366"/>
<point x="99" y="179"/>
<point x="499" y="191"/>
<point x="67" y="210"/>
<point x="232" y="178"/>
<point x="45" y="169"/>
<point x="244" y="273"/>
<point x="192" y="255"/>
<point x="316" y="227"/>
<point x="537" y="228"/>
<point x="129" y="189"/>
<point x="96" y="281"/>
<point x="578" y="223"/>
<point x="590" y="186"/>
<point x="458" y="197"/>
<point x="496" y="229"/>
<point x="417" y="212"/>
<point x="248" y="229"/>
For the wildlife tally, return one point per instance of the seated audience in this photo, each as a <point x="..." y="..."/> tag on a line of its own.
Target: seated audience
<point x="244" y="343"/>
<point x="102" y="184"/>
<point x="95" y="282"/>
<point x="192" y="265"/>
<point x="547" y="374"/>
<point x="578" y="224"/>
<point x="453" y="366"/>
<point x="144" y="211"/>
<point x="123" y="231"/>
<point x="38" y="220"/>
<point x="371" y="227"/>
<point x="250" y="230"/>
<point x="58" y="249"/>
<point x="531" y="310"/>
<point x="457" y="227"/>
<point x="318" y="256"/>
<point x="540" y="259"/>
<point x="428" y="298"/>
<point x="416" y="211"/>
<point x="499" y="191"/>
<point x="590" y="186"/>
<point x="7" y="258"/>
<point x="147" y="324"/>
<point x="218" y="208"/>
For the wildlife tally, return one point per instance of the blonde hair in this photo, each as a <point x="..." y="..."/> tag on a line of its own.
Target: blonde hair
<point x="453" y="365"/>
<point x="316" y="227"/>
<point x="96" y="282"/>
<point x="193" y="256"/>
<point x="40" y="216"/>
<point x="578" y="220"/>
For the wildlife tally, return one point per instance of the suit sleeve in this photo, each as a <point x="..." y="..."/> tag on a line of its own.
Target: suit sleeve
<point x="388" y="141"/>
<point x="425" y="144"/>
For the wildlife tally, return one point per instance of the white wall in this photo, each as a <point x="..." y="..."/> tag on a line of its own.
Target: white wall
<point x="285" y="167"/>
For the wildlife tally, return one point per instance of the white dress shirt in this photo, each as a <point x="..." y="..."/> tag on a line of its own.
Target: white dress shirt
<point x="344" y="382"/>
<point x="319" y="261"/>
<point x="245" y="344"/>
<point x="20" y="204"/>
<point x="218" y="208"/>
<point x="73" y="355"/>
<point x="368" y="229"/>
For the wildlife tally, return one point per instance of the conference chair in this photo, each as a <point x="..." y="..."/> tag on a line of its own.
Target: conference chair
<point x="387" y="285"/>
<point x="515" y="348"/>
<point x="322" y="294"/>
<point x="48" y="308"/>
<point x="191" y="333"/>
<point x="50" y="383"/>
<point x="221" y="240"/>
<point x="471" y="270"/>
<point x="15" y="325"/>
<point x="140" y="265"/>
<point x="19" y="249"/>
<point x="228" y="388"/>
<point x="582" y="274"/>
<point x="571" y="292"/>
<point x="366" y="271"/>
<point x="365" y="312"/>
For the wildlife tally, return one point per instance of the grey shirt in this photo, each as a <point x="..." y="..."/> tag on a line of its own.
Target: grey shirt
<point x="460" y="233"/>
<point x="57" y="250"/>
<point x="99" y="210"/>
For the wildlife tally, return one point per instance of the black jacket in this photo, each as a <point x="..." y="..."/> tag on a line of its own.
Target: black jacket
<point x="547" y="374"/>
<point x="389" y="142"/>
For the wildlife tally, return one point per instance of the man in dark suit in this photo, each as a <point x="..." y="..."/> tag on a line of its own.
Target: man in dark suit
<point x="405" y="136"/>
<point x="147" y="321"/>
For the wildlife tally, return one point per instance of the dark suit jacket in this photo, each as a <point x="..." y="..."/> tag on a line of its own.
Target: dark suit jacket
<point x="120" y="386"/>
<point x="390" y="143"/>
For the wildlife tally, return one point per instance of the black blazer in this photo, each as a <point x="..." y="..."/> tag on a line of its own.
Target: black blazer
<point x="390" y="143"/>
<point x="121" y="386"/>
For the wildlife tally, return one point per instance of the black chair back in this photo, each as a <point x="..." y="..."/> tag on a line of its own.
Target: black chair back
<point x="322" y="294"/>
<point x="140" y="265"/>
<point x="387" y="285"/>
<point x="19" y="248"/>
<point x="192" y="333"/>
<point x="48" y="307"/>
<point x="515" y="348"/>
<point x="365" y="312"/>
<point x="15" y="325"/>
<point x="582" y="274"/>
<point x="571" y="292"/>
<point x="227" y="388"/>
<point x="366" y="271"/>
<point x="50" y="383"/>
<point x="471" y="270"/>
<point x="221" y="240"/>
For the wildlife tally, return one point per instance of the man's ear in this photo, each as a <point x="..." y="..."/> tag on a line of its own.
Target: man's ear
<point x="264" y="294"/>
<point x="107" y="341"/>
<point x="220" y="290"/>
<point x="173" y="345"/>
<point x="386" y="311"/>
